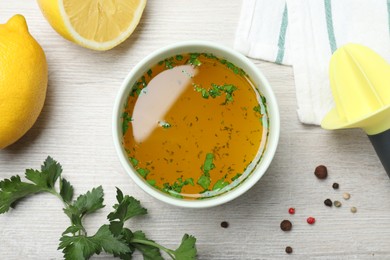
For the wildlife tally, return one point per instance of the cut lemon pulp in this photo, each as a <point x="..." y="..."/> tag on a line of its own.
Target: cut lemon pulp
<point x="94" y="24"/>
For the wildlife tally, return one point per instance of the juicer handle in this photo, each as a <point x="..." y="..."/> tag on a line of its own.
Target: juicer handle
<point x="381" y="143"/>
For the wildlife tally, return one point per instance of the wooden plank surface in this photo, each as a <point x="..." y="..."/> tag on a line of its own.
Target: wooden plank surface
<point x="75" y="129"/>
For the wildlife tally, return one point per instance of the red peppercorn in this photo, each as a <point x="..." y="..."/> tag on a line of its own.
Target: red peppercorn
<point x="291" y="211"/>
<point x="311" y="220"/>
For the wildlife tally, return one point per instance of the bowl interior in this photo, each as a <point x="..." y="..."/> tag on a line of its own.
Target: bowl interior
<point x="222" y="52"/>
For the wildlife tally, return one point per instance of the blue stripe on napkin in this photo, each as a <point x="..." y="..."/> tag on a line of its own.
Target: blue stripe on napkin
<point x="282" y="37"/>
<point x="329" y="24"/>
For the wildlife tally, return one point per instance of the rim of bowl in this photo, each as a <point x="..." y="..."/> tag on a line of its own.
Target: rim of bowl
<point x="259" y="81"/>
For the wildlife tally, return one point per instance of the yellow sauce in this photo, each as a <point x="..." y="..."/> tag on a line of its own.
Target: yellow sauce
<point x="194" y="115"/>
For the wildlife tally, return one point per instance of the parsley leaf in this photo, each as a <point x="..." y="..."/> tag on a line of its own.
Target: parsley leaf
<point x="46" y="178"/>
<point x="83" y="247"/>
<point x="66" y="190"/>
<point x="13" y="189"/>
<point x="78" y="247"/>
<point x="126" y="208"/>
<point x="86" y="204"/>
<point x="110" y="244"/>
<point x="187" y="249"/>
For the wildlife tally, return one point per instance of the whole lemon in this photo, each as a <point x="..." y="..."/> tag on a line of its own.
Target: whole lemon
<point x="23" y="80"/>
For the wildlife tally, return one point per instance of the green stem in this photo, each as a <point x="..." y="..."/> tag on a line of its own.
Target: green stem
<point x="66" y="204"/>
<point x="150" y="243"/>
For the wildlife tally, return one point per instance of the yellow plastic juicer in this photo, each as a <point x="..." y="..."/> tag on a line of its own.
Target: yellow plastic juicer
<point x="360" y="83"/>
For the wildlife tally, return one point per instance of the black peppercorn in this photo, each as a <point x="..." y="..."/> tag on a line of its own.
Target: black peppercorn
<point x="285" y="225"/>
<point x="335" y="185"/>
<point x="328" y="202"/>
<point x="224" y="224"/>
<point x="321" y="172"/>
<point x="289" y="250"/>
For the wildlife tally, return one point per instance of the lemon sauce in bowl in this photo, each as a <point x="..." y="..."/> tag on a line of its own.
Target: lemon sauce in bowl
<point x="194" y="126"/>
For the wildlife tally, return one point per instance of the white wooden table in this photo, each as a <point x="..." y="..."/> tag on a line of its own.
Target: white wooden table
<point x="75" y="129"/>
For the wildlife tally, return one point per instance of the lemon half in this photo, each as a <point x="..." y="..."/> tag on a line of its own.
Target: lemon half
<point x="94" y="24"/>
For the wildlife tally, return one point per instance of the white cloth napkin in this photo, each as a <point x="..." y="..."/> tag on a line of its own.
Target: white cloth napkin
<point x="304" y="34"/>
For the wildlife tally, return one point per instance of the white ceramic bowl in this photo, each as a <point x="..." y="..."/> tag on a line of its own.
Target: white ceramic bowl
<point x="220" y="51"/>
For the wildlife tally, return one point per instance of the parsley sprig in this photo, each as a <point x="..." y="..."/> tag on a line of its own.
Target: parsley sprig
<point x="113" y="238"/>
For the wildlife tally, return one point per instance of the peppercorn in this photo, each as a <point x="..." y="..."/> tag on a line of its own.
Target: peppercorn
<point x="328" y="203"/>
<point x="337" y="203"/>
<point x="353" y="209"/>
<point x="321" y="172"/>
<point x="311" y="220"/>
<point x="285" y="225"/>
<point x="224" y="224"/>
<point x="291" y="211"/>
<point x="289" y="250"/>
<point x="335" y="185"/>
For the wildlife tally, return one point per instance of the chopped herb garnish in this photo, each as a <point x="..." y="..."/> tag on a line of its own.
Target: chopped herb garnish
<point x="133" y="161"/>
<point x="149" y="73"/>
<point x="126" y="119"/>
<point x="137" y="87"/>
<point x="179" y="57"/>
<point x="210" y="56"/>
<point x="216" y="91"/>
<point x="263" y="100"/>
<point x="208" y="163"/>
<point x="203" y="91"/>
<point x="143" y="172"/>
<point x="194" y="59"/>
<point x="204" y="180"/>
<point x="233" y="67"/>
<point x="152" y="182"/>
<point x="236" y="176"/>
<point x="177" y="186"/>
<point x="220" y="184"/>
<point x="169" y="63"/>
<point x="164" y="124"/>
